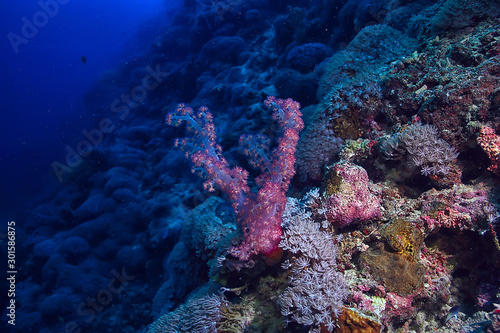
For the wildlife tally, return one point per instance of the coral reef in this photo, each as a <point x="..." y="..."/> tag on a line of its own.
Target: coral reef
<point x="457" y="14"/>
<point x="391" y="221"/>
<point x="490" y="143"/>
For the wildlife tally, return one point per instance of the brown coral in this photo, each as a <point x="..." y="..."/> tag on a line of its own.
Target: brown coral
<point x="395" y="271"/>
<point x="402" y="237"/>
<point x="352" y="321"/>
<point x="348" y="126"/>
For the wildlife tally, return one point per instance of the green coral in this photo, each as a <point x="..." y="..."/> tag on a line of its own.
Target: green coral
<point x="356" y="150"/>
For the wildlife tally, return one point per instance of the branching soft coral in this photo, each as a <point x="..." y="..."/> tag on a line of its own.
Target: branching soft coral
<point x="258" y="214"/>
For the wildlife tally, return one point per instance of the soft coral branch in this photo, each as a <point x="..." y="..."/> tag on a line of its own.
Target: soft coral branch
<point x="259" y="214"/>
<point x="205" y="153"/>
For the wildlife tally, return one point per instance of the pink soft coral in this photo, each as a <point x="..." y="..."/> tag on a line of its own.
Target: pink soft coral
<point x="259" y="214"/>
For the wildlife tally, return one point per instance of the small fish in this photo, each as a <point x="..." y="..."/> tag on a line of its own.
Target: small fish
<point x="453" y="312"/>
<point x="84" y="59"/>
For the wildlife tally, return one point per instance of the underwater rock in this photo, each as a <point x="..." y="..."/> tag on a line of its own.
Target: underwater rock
<point x="74" y="247"/>
<point x="302" y="87"/>
<point x="57" y="304"/>
<point x="305" y="58"/>
<point x="349" y="196"/>
<point x="95" y="205"/>
<point x="224" y="49"/>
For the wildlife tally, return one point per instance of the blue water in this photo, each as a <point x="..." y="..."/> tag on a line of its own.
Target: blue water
<point x="44" y="80"/>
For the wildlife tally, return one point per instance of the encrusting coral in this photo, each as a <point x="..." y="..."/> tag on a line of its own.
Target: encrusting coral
<point x="396" y="272"/>
<point x="403" y="238"/>
<point x="353" y="321"/>
<point x="490" y="142"/>
<point x="348" y="196"/>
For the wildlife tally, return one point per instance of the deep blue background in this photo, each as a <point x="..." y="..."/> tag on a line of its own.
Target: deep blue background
<point x="43" y="85"/>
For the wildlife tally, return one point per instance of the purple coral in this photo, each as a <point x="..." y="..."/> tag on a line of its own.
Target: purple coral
<point x="352" y="198"/>
<point x="461" y="207"/>
<point x="316" y="289"/>
<point x="425" y="150"/>
<point x="318" y="146"/>
<point x="199" y="315"/>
